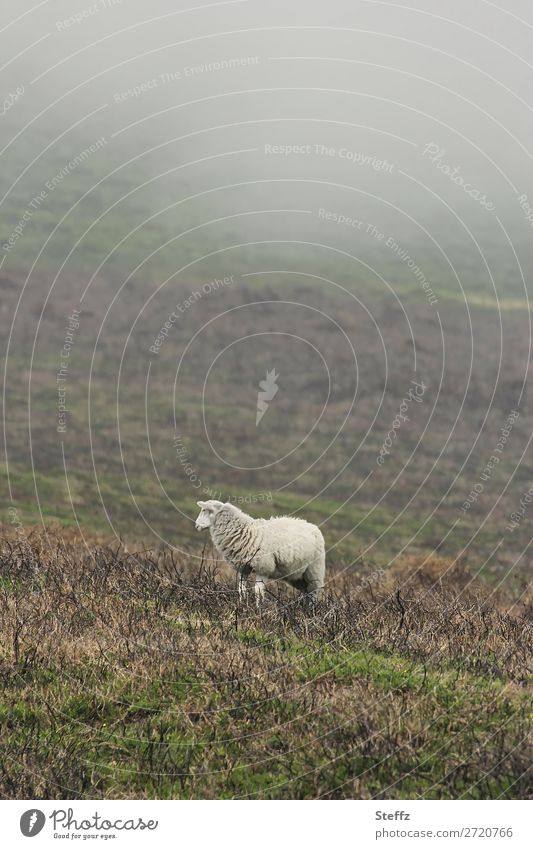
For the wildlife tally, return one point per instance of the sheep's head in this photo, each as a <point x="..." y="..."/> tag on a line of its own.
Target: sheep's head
<point x="206" y="516"/>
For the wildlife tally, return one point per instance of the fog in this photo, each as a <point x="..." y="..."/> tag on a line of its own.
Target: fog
<point x="431" y="89"/>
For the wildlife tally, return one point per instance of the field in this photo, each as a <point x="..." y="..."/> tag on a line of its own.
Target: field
<point x="181" y="227"/>
<point x="135" y="456"/>
<point x="140" y="674"/>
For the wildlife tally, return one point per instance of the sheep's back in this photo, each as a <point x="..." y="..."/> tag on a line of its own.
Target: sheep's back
<point x="286" y="536"/>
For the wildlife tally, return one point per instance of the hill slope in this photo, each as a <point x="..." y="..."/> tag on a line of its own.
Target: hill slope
<point x="137" y="675"/>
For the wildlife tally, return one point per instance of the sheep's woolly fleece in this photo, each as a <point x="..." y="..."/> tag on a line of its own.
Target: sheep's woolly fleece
<point x="282" y="548"/>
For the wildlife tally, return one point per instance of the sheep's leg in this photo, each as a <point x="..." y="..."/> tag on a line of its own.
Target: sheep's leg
<point x="259" y="589"/>
<point x="313" y="590"/>
<point x="243" y="589"/>
<point x="313" y="596"/>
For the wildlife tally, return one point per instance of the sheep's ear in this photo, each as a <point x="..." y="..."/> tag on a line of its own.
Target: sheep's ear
<point x="201" y="504"/>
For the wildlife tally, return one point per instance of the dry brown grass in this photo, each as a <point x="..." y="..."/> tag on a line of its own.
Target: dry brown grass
<point x="139" y="674"/>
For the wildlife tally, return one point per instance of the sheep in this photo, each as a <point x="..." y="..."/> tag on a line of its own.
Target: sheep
<point x="281" y="548"/>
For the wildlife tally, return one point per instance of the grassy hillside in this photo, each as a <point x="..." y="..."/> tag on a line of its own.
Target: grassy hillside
<point x="177" y="224"/>
<point x="137" y="674"/>
<point x="117" y="464"/>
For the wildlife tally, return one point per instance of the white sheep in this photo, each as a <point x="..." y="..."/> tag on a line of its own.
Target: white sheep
<point x="280" y="548"/>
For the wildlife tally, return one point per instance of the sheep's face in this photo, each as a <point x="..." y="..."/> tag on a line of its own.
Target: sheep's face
<point x="206" y="516"/>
